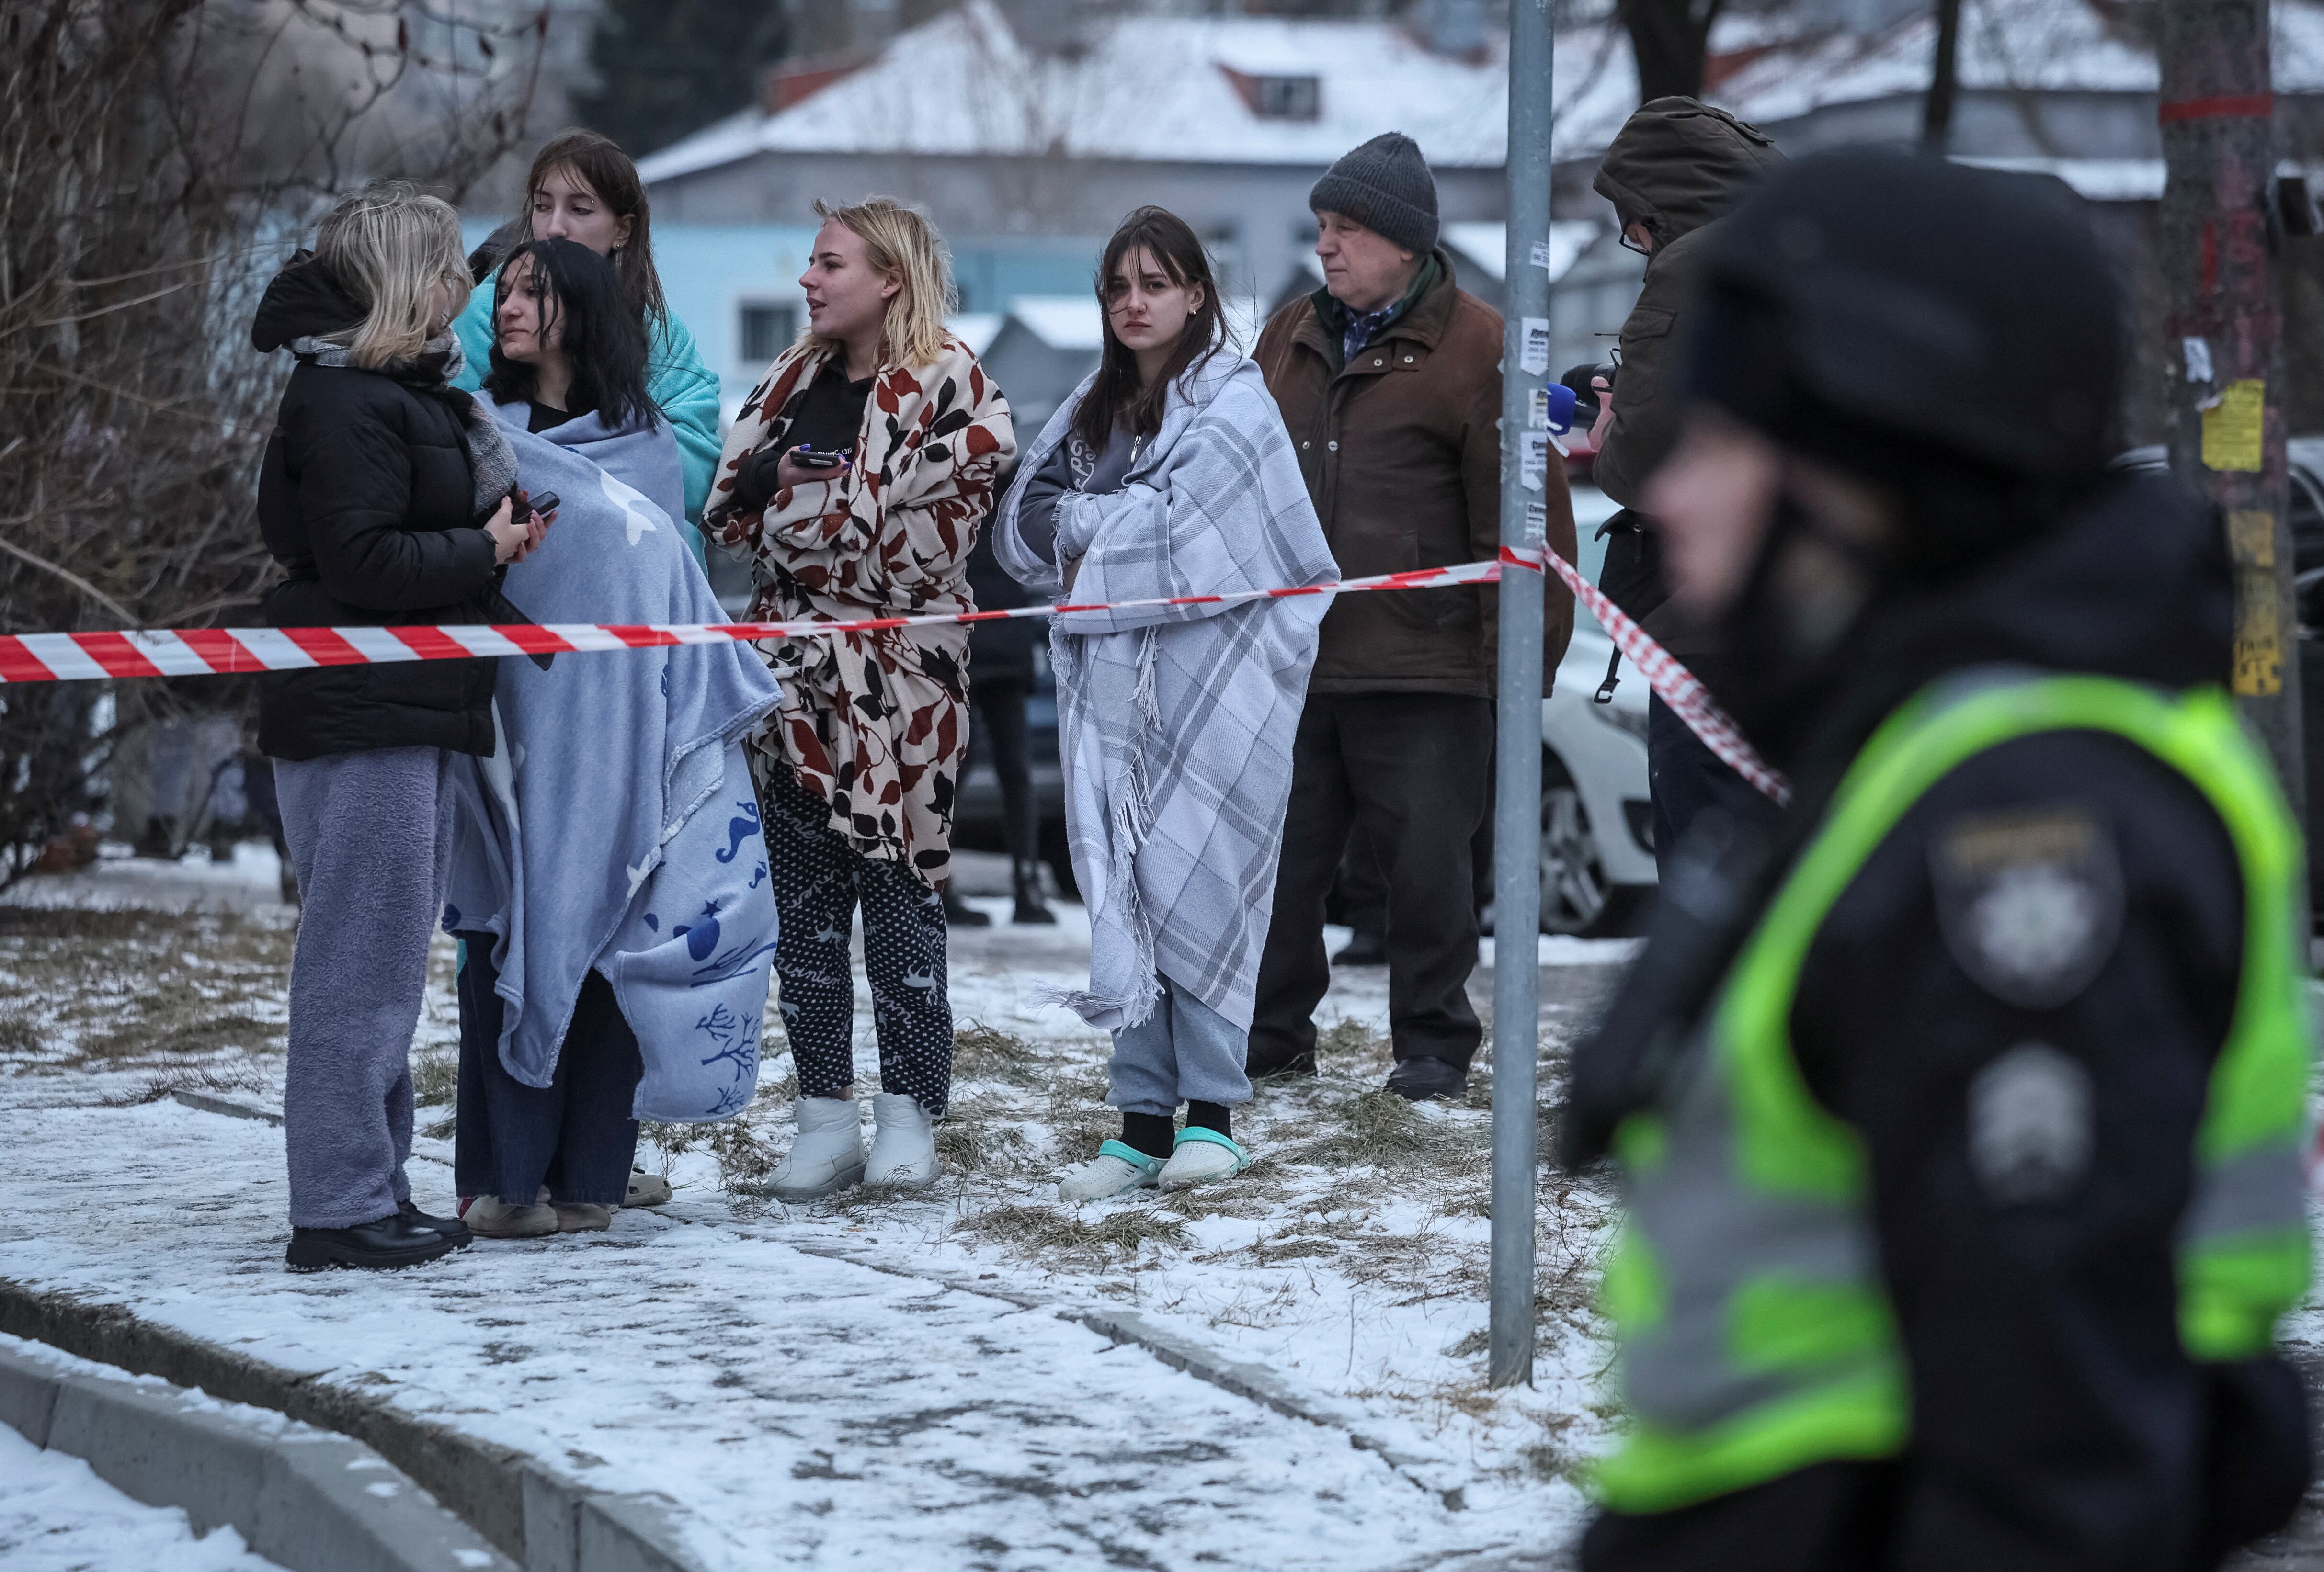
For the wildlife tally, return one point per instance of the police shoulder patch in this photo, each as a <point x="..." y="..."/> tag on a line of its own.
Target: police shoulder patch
<point x="2030" y="900"/>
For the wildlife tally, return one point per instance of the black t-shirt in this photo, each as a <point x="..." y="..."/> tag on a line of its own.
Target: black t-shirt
<point x="830" y="412"/>
<point x="547" y="417"/>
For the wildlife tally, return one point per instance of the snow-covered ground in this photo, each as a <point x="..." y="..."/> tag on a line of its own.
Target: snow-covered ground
<point x="58" y="1516"/>
<point x="838" y="1382"/>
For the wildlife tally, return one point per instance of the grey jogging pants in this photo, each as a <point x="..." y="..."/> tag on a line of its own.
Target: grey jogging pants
<point x="369" y="833"/>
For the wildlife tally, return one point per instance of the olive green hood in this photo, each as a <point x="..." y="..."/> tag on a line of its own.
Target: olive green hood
<point x="1678" y="164"/>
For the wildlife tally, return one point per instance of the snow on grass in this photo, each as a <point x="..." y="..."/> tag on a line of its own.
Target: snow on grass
<point x="1350" y="1261"/>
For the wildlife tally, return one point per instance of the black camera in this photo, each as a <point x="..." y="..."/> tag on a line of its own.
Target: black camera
<point x="1586" y="401"/>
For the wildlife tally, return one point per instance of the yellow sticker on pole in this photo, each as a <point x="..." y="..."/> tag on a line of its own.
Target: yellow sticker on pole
<point x="2232" y="428"/>
<point x="2259" y="625"/>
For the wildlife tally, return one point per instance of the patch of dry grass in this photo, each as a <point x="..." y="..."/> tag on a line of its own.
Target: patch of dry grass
<point x="1062" y="1236"/>
<point x="978" y="1137"/>
<point x="1380" y="1130"/>
<point x="435" y="1077"/>
<point x="983" y="1052"/>
<point x="233" y="1081"/>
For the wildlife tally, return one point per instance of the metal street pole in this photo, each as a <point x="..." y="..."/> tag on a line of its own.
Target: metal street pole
<point x="1525" y="458"/>
<point x="2221" y="234"/>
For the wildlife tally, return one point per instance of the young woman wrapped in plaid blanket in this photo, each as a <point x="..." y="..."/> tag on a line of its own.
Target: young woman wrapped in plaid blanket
<point x="1169" y="472"/>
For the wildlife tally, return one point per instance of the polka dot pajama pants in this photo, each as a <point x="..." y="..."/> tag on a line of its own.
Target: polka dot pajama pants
<point x="819" y="880"/>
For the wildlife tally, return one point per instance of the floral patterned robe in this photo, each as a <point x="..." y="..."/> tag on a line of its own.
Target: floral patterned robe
<point x="876" y="724"/>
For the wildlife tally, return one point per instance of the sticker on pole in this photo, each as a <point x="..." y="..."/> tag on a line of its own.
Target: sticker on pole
<point x="1533" y="352"/>
<point x="2233" y="426"/>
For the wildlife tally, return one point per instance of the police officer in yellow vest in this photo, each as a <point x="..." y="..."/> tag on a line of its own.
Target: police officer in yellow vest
<point x="1959" y="1115"/>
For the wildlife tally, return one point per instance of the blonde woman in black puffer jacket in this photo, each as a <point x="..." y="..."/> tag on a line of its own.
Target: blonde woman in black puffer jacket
<point x="384" y="494"/>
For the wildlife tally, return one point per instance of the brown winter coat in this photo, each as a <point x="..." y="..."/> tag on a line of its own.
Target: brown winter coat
<point x="1675" y="166"/>
<point x="1401" y="452"/>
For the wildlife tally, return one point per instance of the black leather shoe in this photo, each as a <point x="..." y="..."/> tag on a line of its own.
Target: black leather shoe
<point x="959" y="914"/>
<point x="452" y="1228"/>
<point x="1420" y="1080"/>
<point x="1368" y="948"/>
<point x="1268" y="1069"/>
<point x="394" y="1240"/>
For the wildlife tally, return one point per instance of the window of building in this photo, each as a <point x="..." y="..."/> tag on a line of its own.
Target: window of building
<point x="767" y="331"/>
<point x="1289" y="97"/>
<point x="1277" y="97"/>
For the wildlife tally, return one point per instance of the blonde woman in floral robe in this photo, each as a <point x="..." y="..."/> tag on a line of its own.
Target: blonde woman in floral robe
<point x="854" y="482"/>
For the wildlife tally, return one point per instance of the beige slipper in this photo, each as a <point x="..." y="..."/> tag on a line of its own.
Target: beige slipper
<point x="646" y="1190"/>
<point x="581" y="1217"/>
<point x="490" y="1218"/>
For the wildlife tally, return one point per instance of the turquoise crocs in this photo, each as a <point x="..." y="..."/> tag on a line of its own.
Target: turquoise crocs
<point x="1201" y="1154"/>
<point x="1116" y="1170"/>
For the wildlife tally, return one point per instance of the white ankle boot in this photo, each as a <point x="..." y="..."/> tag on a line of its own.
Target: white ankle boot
<point x="827" y="1156"/>
<point x="904" y="1143"/>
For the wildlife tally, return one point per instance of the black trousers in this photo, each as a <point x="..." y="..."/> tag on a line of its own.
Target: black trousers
<point x="1684" y="778"/>
<point x="575" y="1135"/>
<point x="819" y="881"/>
<point x="1415" y="767"/>
<point x="999" y="708"/>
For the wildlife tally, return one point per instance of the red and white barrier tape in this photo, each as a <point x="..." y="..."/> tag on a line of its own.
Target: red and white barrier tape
<point x="1679" y="687"/>
<point x="34" y="657"/>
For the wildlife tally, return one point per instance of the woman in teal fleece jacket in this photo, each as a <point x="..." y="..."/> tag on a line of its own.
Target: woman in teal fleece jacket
<point x="584" y="188"/>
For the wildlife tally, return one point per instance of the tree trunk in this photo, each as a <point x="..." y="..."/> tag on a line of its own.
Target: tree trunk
<point x="2224" y="323"/>
<point x="1668" y="38"/>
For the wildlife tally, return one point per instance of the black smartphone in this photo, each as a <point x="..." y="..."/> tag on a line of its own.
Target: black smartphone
<point x="544" y="504"/>
<point x="818" y="458"/>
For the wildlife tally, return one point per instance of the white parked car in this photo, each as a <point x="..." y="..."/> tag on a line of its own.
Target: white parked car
<point x="1597" y="822"/>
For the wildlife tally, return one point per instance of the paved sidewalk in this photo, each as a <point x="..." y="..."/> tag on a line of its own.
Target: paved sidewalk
<point x="802" y="1411"/>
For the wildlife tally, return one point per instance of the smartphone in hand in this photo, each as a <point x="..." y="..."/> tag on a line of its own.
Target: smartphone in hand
<point x="818" y="458"/>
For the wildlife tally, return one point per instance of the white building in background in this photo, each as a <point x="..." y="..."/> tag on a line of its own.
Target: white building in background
<point x="1021" y="135"/>
<point x="1226" y="121"/>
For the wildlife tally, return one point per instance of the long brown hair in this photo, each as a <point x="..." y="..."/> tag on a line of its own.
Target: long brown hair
<point x="607" y="170"/>
<point x="1116" y="398"/>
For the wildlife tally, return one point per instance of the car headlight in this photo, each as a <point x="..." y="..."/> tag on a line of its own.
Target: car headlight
<point x="1634" y="721"/>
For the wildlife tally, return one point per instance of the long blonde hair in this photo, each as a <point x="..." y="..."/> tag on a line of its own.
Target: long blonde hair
<point x="900" y="242"/>
<point x="388" y="246"/>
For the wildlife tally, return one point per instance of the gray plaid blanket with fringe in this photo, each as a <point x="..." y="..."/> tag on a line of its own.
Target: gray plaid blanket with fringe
<point x="1175" y="724"/>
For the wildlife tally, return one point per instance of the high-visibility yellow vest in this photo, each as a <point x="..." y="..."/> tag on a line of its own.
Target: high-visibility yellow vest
<point x="1756" y="1335"/>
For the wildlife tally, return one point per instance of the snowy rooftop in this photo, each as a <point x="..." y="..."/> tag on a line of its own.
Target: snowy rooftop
<point x="1185" y="89"/>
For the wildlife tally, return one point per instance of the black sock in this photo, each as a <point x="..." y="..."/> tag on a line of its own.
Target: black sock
<point x="1152" y="1134"/>
<point x="1211" y="1117"/>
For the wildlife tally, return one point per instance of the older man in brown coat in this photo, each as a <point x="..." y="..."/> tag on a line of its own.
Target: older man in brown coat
<point x="1388" y="377"/>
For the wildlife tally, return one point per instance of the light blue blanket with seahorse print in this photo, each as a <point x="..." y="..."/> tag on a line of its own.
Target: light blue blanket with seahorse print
<point x="615" y="827"/>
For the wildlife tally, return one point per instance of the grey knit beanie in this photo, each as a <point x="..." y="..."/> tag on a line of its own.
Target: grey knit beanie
<point x="1385" y="187"/>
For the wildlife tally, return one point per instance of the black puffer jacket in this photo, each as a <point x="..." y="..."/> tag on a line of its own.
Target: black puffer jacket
<point x="365" y="496"/>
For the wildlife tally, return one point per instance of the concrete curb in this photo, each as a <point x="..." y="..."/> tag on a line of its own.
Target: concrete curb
<point x="313" y="1501"/>
<point x="538" y="1519"/>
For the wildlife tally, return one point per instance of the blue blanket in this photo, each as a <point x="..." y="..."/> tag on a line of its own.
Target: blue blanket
<point x="615" y="826"/>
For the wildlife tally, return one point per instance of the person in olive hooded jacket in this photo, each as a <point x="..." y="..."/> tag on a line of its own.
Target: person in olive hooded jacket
<point x="1676" y="166"/>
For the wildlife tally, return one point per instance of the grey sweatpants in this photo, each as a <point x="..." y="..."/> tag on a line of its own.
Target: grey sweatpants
<point x="1184" y="1053"/>
<point x="370" y="834"/>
